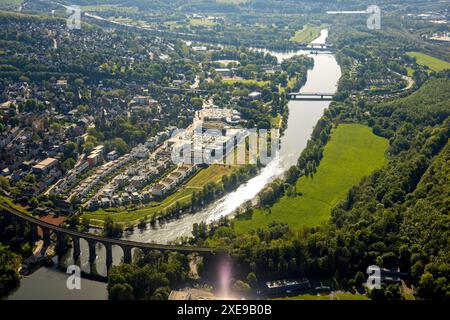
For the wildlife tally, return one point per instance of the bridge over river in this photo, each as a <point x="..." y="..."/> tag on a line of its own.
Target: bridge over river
<point x="310" y="96"/>
<point x="317" y="47"/>
<point x="91" y="239"/>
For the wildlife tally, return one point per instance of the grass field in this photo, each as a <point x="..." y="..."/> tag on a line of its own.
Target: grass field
<point x="307" y="34"/>
<point x="248" y="81"/>
<point x="202" y="22"/>
<point x="410" y="71"/>
<point x="225" y="62"/>
<point x="352" y="152"/>
<point x="433" y="63"/>
<point x="10" y="2"/>
<point x="213" y="173"/>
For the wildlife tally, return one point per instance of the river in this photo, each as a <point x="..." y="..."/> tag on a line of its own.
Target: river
<point x="49" y="283"/>
<point x="303" y="115"/>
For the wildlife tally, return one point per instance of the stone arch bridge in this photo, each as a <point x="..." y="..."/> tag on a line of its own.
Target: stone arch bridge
<point x="92" y="240"/>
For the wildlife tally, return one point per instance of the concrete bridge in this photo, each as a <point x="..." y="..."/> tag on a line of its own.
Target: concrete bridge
<point x="308" y="96"/>
<point x="316" y="47"/>
<point x="92" y="240"/>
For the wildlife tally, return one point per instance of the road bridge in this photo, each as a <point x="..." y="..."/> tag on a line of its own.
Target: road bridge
<point x="310" y="96"/>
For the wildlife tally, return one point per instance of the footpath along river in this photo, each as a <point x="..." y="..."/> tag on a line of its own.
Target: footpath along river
<point x="50" y="283"/>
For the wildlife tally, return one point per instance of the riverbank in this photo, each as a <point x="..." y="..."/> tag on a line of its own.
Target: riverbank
<point x="309" y="33"/>
<point x="351" y="153"/>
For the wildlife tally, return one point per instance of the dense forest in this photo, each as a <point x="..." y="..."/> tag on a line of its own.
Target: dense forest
<point x="150" y="277"/>
<point x="8" y="270"/>
<point x="13" y="245"/>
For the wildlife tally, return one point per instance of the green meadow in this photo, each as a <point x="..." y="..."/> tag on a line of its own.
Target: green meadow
<point x="213" y="173"/>
<point x="251" y="82"/>
<point x="307" y="34"/>
<point x="352" y="152"/>
<point x="10" y="2"/>
<point x="433" y="63"/>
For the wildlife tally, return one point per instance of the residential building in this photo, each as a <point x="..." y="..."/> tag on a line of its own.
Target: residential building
<point x="45" y="166"/>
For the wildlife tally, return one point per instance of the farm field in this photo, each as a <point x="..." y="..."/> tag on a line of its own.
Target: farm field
<point x="352" y="153"/>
